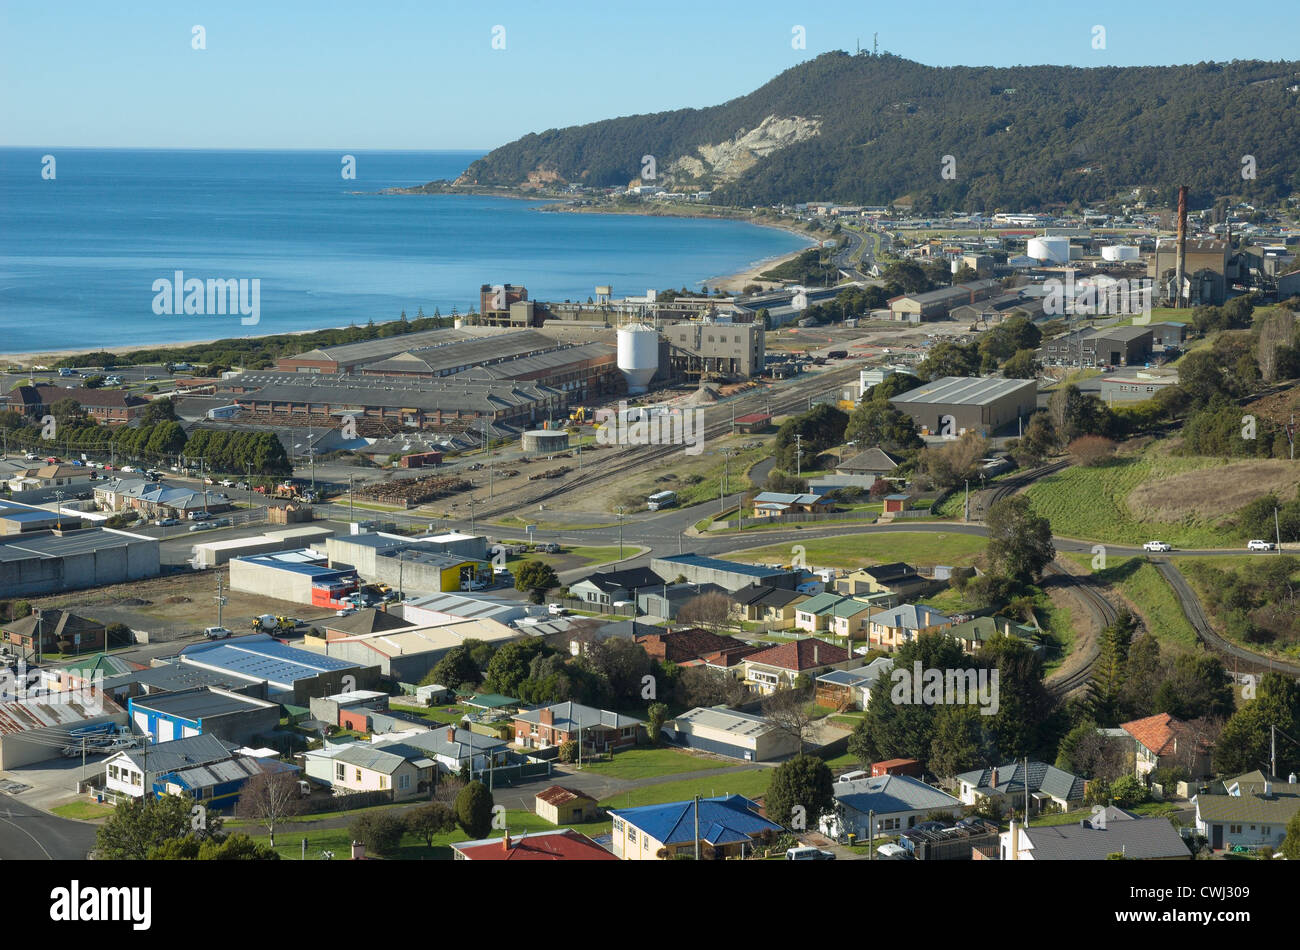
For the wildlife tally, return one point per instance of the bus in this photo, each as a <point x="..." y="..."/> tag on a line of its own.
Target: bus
<point x="660" y="500"/>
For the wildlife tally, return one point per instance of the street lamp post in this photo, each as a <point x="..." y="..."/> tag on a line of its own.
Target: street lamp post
<point x="620" y="532"/>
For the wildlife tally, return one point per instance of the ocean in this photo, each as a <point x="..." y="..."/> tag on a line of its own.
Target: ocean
<point x="80" y="251"/>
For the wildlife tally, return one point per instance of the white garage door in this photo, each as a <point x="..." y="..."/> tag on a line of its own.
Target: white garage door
<point x="190" y="731"/>
<point x="166" y="730"/>
<point x="142" y="722"/>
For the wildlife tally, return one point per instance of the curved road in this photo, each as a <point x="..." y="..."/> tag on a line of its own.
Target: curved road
<point x="29" y="834"/>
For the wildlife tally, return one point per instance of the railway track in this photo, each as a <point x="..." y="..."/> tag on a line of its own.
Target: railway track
<point x="1103" y="612"/>
<point x="985" y="499"/>
<point x="635" y="459"/>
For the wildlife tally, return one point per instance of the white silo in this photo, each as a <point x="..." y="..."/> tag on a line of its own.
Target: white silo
<point x="1049" y="250"/>
<point x="638" y="355"/>
<point x="1119" y="252"/>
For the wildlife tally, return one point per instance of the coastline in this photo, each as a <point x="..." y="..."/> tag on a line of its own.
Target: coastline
<point x="732" y="283"/>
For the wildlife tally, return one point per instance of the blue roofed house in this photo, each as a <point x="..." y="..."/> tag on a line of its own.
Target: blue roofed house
<point x="890" y="629"/>
<point x="897" y="801"/>
<point x="730" y="825"/>
<point x="209" y="770"/>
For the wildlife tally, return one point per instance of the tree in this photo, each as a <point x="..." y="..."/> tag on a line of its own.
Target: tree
<point x="568" y="751"/>
<point x="656" y="716"/>
<point x="236" y="847"/>
<point x="957" y="740"/>
<point x="1023" y="364"/>
<point x="269" y="798"/>
<point x="800" y="791"/>
<point x="1244" y="743"/>
<point x="510" y="665"/>
<point x="701" y="686"/>
<point x="430" y="820"/>
<point x="623" y="663"/>
<point x="1291" y="843"/>
<point x="1092" y="450"/>
<point x="1091" y="754"/>
<point x="710" y="610"/>
<point x="474" y="810"/>
<point x="951" y="463"/>
<point x="880" y="424"/>
<point x="139" y="825"/>
<point x="950" y="359"/>
<point x="1020" y="542"/>
<point x="380" y="831"/>
<point x="1038" y="443"/>
<point x="456" y="669"/>
<point x="790" y="712"/>
<point x="535" y="578"/>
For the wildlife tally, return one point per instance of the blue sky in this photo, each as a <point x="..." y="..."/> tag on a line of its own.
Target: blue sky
<point x="425" y="74"/>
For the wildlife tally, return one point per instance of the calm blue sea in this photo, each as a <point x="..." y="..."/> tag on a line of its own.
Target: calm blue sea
<point x="79" y="253"/>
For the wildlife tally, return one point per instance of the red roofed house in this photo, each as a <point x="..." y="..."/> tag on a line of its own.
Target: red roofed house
<point x="564" y="844"/>
<point x="1164" y="741"/>
<point x="777" y="667"/>
<point x="560" y="805"/>
<point x="679" y="646"/>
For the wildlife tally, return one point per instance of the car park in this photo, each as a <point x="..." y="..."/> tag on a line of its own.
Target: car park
<point x="1259" y="545"/>
<point x="1159" y="546"/>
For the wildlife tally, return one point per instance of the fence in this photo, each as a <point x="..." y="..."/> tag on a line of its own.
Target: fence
<point x="513" y="774"/>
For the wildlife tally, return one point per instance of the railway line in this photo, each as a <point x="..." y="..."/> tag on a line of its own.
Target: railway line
<point x="986" y="498"/>
<point x="1103" y="612"/>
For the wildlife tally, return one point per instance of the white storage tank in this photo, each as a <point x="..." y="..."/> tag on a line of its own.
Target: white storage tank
<point x="1119" y="252"/>
<point x="638" y="355"/>
<point x="1050" y="250"/>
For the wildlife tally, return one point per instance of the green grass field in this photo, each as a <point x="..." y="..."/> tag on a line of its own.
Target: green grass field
<point x="861" y="550"/>
<point x="83" y="811"/>
<point x="639" y="763"/>
<point x="750" y="784"/>
<point x="1090" y="503"/>
<point x="1139" y="581"/>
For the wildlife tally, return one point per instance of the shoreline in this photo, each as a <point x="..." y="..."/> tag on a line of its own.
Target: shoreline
<point x="732" y="283"/>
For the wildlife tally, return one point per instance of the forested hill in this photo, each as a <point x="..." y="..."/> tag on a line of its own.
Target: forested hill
<point x="874" y="129"/>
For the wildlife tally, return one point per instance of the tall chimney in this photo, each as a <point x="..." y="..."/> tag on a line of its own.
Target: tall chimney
<point x="993" y="779"/>
<point x="1181" y="264"/>
<point x="451" y="733"/>
<point x="816" y="653"/>
<point x="505" y="842"/>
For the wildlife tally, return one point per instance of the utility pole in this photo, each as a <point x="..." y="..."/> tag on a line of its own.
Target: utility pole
<point x="1277" y="530"/>
<point x="620" y="532"/>
<point x="871" y="835"/>
<point x="58" y="509"/>
<point x="697" y="827"/>
<point x="798" y="453"/>
<point x="221" y="599"/>
<point x="351" y="512"/>
<point x="966" y="516"/>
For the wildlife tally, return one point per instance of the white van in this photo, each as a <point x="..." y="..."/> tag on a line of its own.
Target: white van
<point x="808" y="853"/>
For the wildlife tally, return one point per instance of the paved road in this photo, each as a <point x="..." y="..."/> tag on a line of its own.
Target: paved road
<point x="28" y="834"/>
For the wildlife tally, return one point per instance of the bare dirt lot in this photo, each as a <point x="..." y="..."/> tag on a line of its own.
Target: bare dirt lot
<point x="180" y="604"/>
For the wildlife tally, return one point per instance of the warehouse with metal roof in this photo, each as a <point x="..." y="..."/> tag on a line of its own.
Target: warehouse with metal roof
<point x="292" y="675"/>
<point x="952" y="405"/>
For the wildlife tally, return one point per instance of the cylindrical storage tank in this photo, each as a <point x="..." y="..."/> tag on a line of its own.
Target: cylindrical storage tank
<point x="638" y="355"/>
<point x="545" y="441"/>
<point x="1119" y="252"/>
<point x="1050" y="250"/>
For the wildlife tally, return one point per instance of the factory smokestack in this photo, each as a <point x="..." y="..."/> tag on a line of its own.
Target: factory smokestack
<point x="1181" y="265"/>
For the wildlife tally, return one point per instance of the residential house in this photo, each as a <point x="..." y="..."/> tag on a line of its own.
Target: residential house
<point x="779" y="666"/>
<point x="973" y="634"/>
<point x="1250" y="815"/>
<point x="403" y="771"/>
<point x="455" y="750"/>
<point x="1108" y="830"/>
<point x="564" y="844"/>
<point x="898" y="802"/>
<point x="561" y="806"/>
<point x="737" y="735"/>
<point x="896" y="578"/>
<point x="771" y="504"/>
<point x="872" y="464"/>
<point x="683" y="646"/>
<point x="1164" y="740"/>
<point x="45" y="629"/>
<point x="218" y="785"/>
<point x="851" y="688"/>
<point x="773" y="606"/>
<point x="1006" y="784"/>
<point x="600" y="730"/>
<point x="729" y="825"/>
<point x="850" y="618"/>
<point x="155" y="499"/>
<point x="890" y="629"/>
<point x="605" y="588"/>
<point x="664" y="602"/>
<point x="815" y="613"/>
<point x="135" y="772"/>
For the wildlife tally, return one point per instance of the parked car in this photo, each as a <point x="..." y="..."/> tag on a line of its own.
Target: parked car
<point x="227" y="483"/>
<point x="167" y="522"/>
<point x="556" y="610"/>
<point x="31" y="457"/>
<point x="221" y="523"/>
<point x="199" y="515"/>
<point x="808" y="853"/>
<point x="1159" y="546"/>
<point x="1259" y="545"/>
<point x="345" y="611"/>
<point x="217" y="633"/>
<point x="202" y="526"/>
<point x="893" y="852"/>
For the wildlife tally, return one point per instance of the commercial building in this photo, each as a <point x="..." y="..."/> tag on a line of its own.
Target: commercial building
<point x="408" y="654"/>
<point x="110" y="407"/>
<point x="1136" y="388"/>
<point x="737" y="735"/>
<point x="348" y="358"/>
<point x="952" y="405"/>
<point x="46" y="562"/>
<point x="204" y="710"/>
<point x="292" y="675"/>
<point x="36" y="728"/>
<point x="214" y="553"/>
<point x="1110" y="346"/>
<point x="298" y="576"/>
<point x="731" y="575"/>
<point x="936" y="304"/>
<point x="443" y="608"/>
<point x="704" y="347"/>
<point x="1205" y="271"/>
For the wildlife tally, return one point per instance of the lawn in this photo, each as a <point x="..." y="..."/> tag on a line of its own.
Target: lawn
<point x="450" y="715"/>
<point x="585" y="556"/>
<point x="1139" y="581"/>
<point x="638" y="763"/>
<point x="750" y="783"/>
<point x="1091" y="503"/>
<point x="862" y="550"/>
<point x="83" y="810"/>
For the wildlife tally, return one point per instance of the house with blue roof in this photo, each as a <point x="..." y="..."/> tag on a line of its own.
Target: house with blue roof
<point x="729" y="826"/>
<point x="292" y="675"/>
